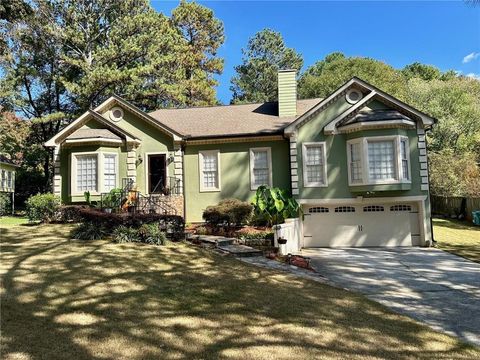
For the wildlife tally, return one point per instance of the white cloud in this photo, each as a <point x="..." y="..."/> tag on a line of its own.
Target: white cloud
<point x="470" y="57"/>
<point x="474" y="76"/>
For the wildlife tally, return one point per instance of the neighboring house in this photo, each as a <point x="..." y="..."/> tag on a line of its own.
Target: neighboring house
<point x="355" y="160"/>
<point x="7" y="179"/>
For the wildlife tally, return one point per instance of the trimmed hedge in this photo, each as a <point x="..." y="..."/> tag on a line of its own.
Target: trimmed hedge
<point x="173" y="225"/>
<point x="230" y="212"/>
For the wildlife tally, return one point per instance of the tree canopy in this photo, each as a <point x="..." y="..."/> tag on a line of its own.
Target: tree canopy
<point x="256" y="77"/>
<point x="60" y="57"/>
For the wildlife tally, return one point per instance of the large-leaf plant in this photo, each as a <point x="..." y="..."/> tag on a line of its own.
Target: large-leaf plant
<point x="275" y="204"/>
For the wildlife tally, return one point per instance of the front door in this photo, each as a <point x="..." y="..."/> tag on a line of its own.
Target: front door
<point x="156" y="173"/>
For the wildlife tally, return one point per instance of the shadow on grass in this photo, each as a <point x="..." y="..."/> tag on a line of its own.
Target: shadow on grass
<point x="98" y="300"/>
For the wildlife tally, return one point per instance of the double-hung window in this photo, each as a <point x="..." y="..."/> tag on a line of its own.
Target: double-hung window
<point x="109" y="172"/>
<point x="404" y="158"/>
<point x="314" y="164"/>
<point x="209" y="164"/>
<point x="9" y="179"/>
<point x="355" y="162"/>
<point x="4" y="179"/>
<point x="86" y="173"/>
<point x="260" y="167"/>
<point x="378" y="160"/>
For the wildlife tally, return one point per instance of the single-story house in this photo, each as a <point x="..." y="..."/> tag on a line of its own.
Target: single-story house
<point x="356" y="161"/>
<point x="7" y="179"/>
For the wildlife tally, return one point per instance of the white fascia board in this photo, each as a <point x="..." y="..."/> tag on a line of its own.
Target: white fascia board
<point x="330" y="128"/>
<point x="375" y="124"/>
<point x="76" y="123"/>
<point x="117" y="99"/>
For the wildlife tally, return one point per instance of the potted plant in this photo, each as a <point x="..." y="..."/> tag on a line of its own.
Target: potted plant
<point x="111" y="200"/>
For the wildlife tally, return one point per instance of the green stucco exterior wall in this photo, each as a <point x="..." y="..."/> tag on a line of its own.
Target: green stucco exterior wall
<point x="234" y="173"/>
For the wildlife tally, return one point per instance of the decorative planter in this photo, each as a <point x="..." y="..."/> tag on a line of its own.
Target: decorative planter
<point x="282" y="241"/>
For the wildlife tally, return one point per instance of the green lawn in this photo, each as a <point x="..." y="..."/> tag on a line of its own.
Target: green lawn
<point x="12" y="220"/>
<point x="459" y="237"/>
<point x="64" y="299"/>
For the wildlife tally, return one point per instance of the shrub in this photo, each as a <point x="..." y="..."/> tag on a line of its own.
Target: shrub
<point x="88" y="231"/>
<point x="151" y="234"/>
<point x="70" y="213"/>
<point x="43" y="207"/>
<point x="230" y="212"/>
<point x="202" y="230"/>
<point x="5" y="203"/>
<point x="173" y="225"/>
<point x="126" y="234"/>
<point x="255" y="234"/>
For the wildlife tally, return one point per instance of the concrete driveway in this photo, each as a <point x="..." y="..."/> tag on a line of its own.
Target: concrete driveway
<point x="430" y="285"/>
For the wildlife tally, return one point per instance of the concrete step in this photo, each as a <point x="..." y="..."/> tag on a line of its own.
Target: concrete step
<point x="240" y="250"/>
<point x="216" y="240"/>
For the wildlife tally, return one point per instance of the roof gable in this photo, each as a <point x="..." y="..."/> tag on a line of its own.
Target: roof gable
<point x="117" y="100"/>
<point x="371" y="93"/>
<point x="81" y="121"/>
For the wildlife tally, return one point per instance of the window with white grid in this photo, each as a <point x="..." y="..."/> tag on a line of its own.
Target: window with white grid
<point x="355" y="162"/>
<point x="109" y="172"/>
<point x="87" y="166"/>
<point x="209" y="170"/>
<point x="9" y="179"/>
<point x="381" y="160"/>
<point x="404" y="157"/>
<point x="260" y="167"/>
<point x="314" y="164"/>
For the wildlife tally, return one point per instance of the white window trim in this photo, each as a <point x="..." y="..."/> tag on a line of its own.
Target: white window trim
<point x="270" y="170"/>
<point x="102" y="166"/>
<point x="200" y="170"/>
<point x="147" y="165"/>
<point x="304" y="164"/>
<point x="364" y="160"/>
<point x="100" y="171"/>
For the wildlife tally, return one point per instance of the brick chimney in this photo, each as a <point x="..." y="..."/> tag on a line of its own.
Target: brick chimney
<point x="287" y="93"/>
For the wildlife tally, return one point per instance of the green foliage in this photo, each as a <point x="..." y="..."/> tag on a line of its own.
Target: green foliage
<point x="151" y="234"/>
<point x="146" y="233"/>
<point x="326" y="76"/>
<point x="43" y="207"/>
<point x="126" y="234"/>
<point x="113" y="199"/>
<point x="275" y="204"/>
<point x="5" y="204"/>
<point x="88" y="231"/>
<point x="456" y="105"/>
<point x="256" y="234"/>
<point x="231" y="212"/>
<point x="86" y="195"/>
<point x="454" y="174"/>
<point x="422" y="71"/>
<point x="202" y="230"/>
<point x="256" y="78"/>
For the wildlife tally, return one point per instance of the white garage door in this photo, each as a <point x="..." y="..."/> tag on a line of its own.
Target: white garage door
<point x="361" y="225"/>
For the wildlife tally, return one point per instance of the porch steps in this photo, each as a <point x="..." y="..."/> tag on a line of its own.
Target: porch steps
<point x="227" y="245"/>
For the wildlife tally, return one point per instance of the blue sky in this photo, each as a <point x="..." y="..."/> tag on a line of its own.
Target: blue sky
<point x="440" y="33"/>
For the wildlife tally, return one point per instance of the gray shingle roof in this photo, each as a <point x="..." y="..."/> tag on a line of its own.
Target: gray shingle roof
<point x="93" y="133"/>
<point x="375" y="115"/>
<point x="229" y="120"/>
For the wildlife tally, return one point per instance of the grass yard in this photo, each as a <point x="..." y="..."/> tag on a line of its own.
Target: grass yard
<point x="12" y="220"/>
<point x="459" y="237"/>
<point x="65" y="299"/>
